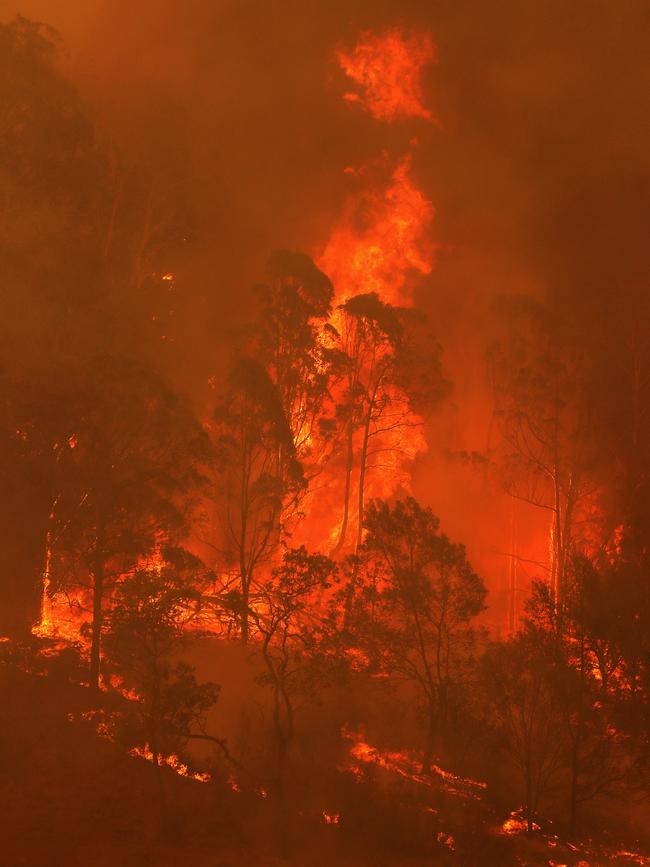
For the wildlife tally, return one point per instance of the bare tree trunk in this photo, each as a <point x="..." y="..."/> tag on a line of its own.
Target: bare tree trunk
<point x="364" y="458"/>
<point x="429" y="744"/>
<point x="362" y="477"/>
<point x="512" y="572"/>
<point x="245" y="618"/>
<point x="530" y="810"/>
<point x="577" y="737"/>
<point x="348" y="484"/>
<point x="160" y="789"/>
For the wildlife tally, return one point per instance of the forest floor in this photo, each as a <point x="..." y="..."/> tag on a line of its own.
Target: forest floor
<point x="70" y="798"/>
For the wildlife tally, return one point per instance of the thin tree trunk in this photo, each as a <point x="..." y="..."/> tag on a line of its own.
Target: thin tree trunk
<point x="348" y="484"/>
<point x="160" y="789"/>
<point x="577" y="738"/>
<point x="362" y="475"/>
<point x="364" y="459"/>
<point x="427" y="758"/>
<point x="512" y="572"/>
<point x="245" y="619"/>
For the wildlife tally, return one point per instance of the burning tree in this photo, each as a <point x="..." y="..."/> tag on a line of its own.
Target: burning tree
<point x="386" y="375"/>
<point x="147" y="629"/>
<point x="130" y="463"/>
<point x="50" y="190"/>
<point x="259" y="474"/>
<point x="294" y="342"/>
<point x="414" y="596"/>
<point x="370" y="330"/>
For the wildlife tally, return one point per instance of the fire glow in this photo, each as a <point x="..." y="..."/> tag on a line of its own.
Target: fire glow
<point x="388" y="70"/>
<point x="261" y="525"/>
<point x="405" y="764"/>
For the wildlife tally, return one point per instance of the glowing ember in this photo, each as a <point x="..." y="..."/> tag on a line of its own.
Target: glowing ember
<point x="388" y="70"/>
<point x="516" y="823"/>
<point x="445" y="840"/>
<point x="635" y="857"/>
<point x="406" y="765"/>
<point x="172" y="762"/>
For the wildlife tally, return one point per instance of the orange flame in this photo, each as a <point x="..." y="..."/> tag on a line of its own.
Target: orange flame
<point x="406" y="765"/>
<point x="172" y="762"/>
<point x="382" y="240"/>
<point x="388" y="70"/>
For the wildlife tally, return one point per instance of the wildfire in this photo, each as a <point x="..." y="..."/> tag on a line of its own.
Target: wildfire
<point x="445" y="840"/>
<point x="382" y="245"/>
<point x="388" y="70"/>
<point x="406" y="765"/>
<point x="383" y="234"/>
<point x="103" y="723"/>
<point x="62" y="616"/>
<point x="516" y="824"/>
<point x="382" y="240"/>
<point x="172" y="762"/>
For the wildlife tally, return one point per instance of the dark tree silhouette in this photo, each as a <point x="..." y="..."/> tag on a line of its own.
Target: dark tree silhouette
<point x="414" y="597"/>
<point x="258" y="472"/>
<point x="132" y="459"/>
<point x="147" y="629"/>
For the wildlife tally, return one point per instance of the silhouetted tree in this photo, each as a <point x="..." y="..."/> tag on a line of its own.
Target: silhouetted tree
<point x="50" y="191"/>
<point x="287" y="618"/>
<point x="288" y="613"/>
<point x="414" y="597"/>
<point x="132" y="459"/>
<point x="581" y="644"/>
<point x="258" y="472"/>
<point x="540" y="378"/>
<point x="389" y="372"/>
<point x="147" y="629"/>
<point x="522" y="683"/>
<point x="295" y="343"/>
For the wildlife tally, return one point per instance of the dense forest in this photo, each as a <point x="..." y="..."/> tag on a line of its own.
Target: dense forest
<point x="311" y="560"/>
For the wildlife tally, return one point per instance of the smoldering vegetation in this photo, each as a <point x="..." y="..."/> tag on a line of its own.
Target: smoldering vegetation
<point x="325" y="441"/>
